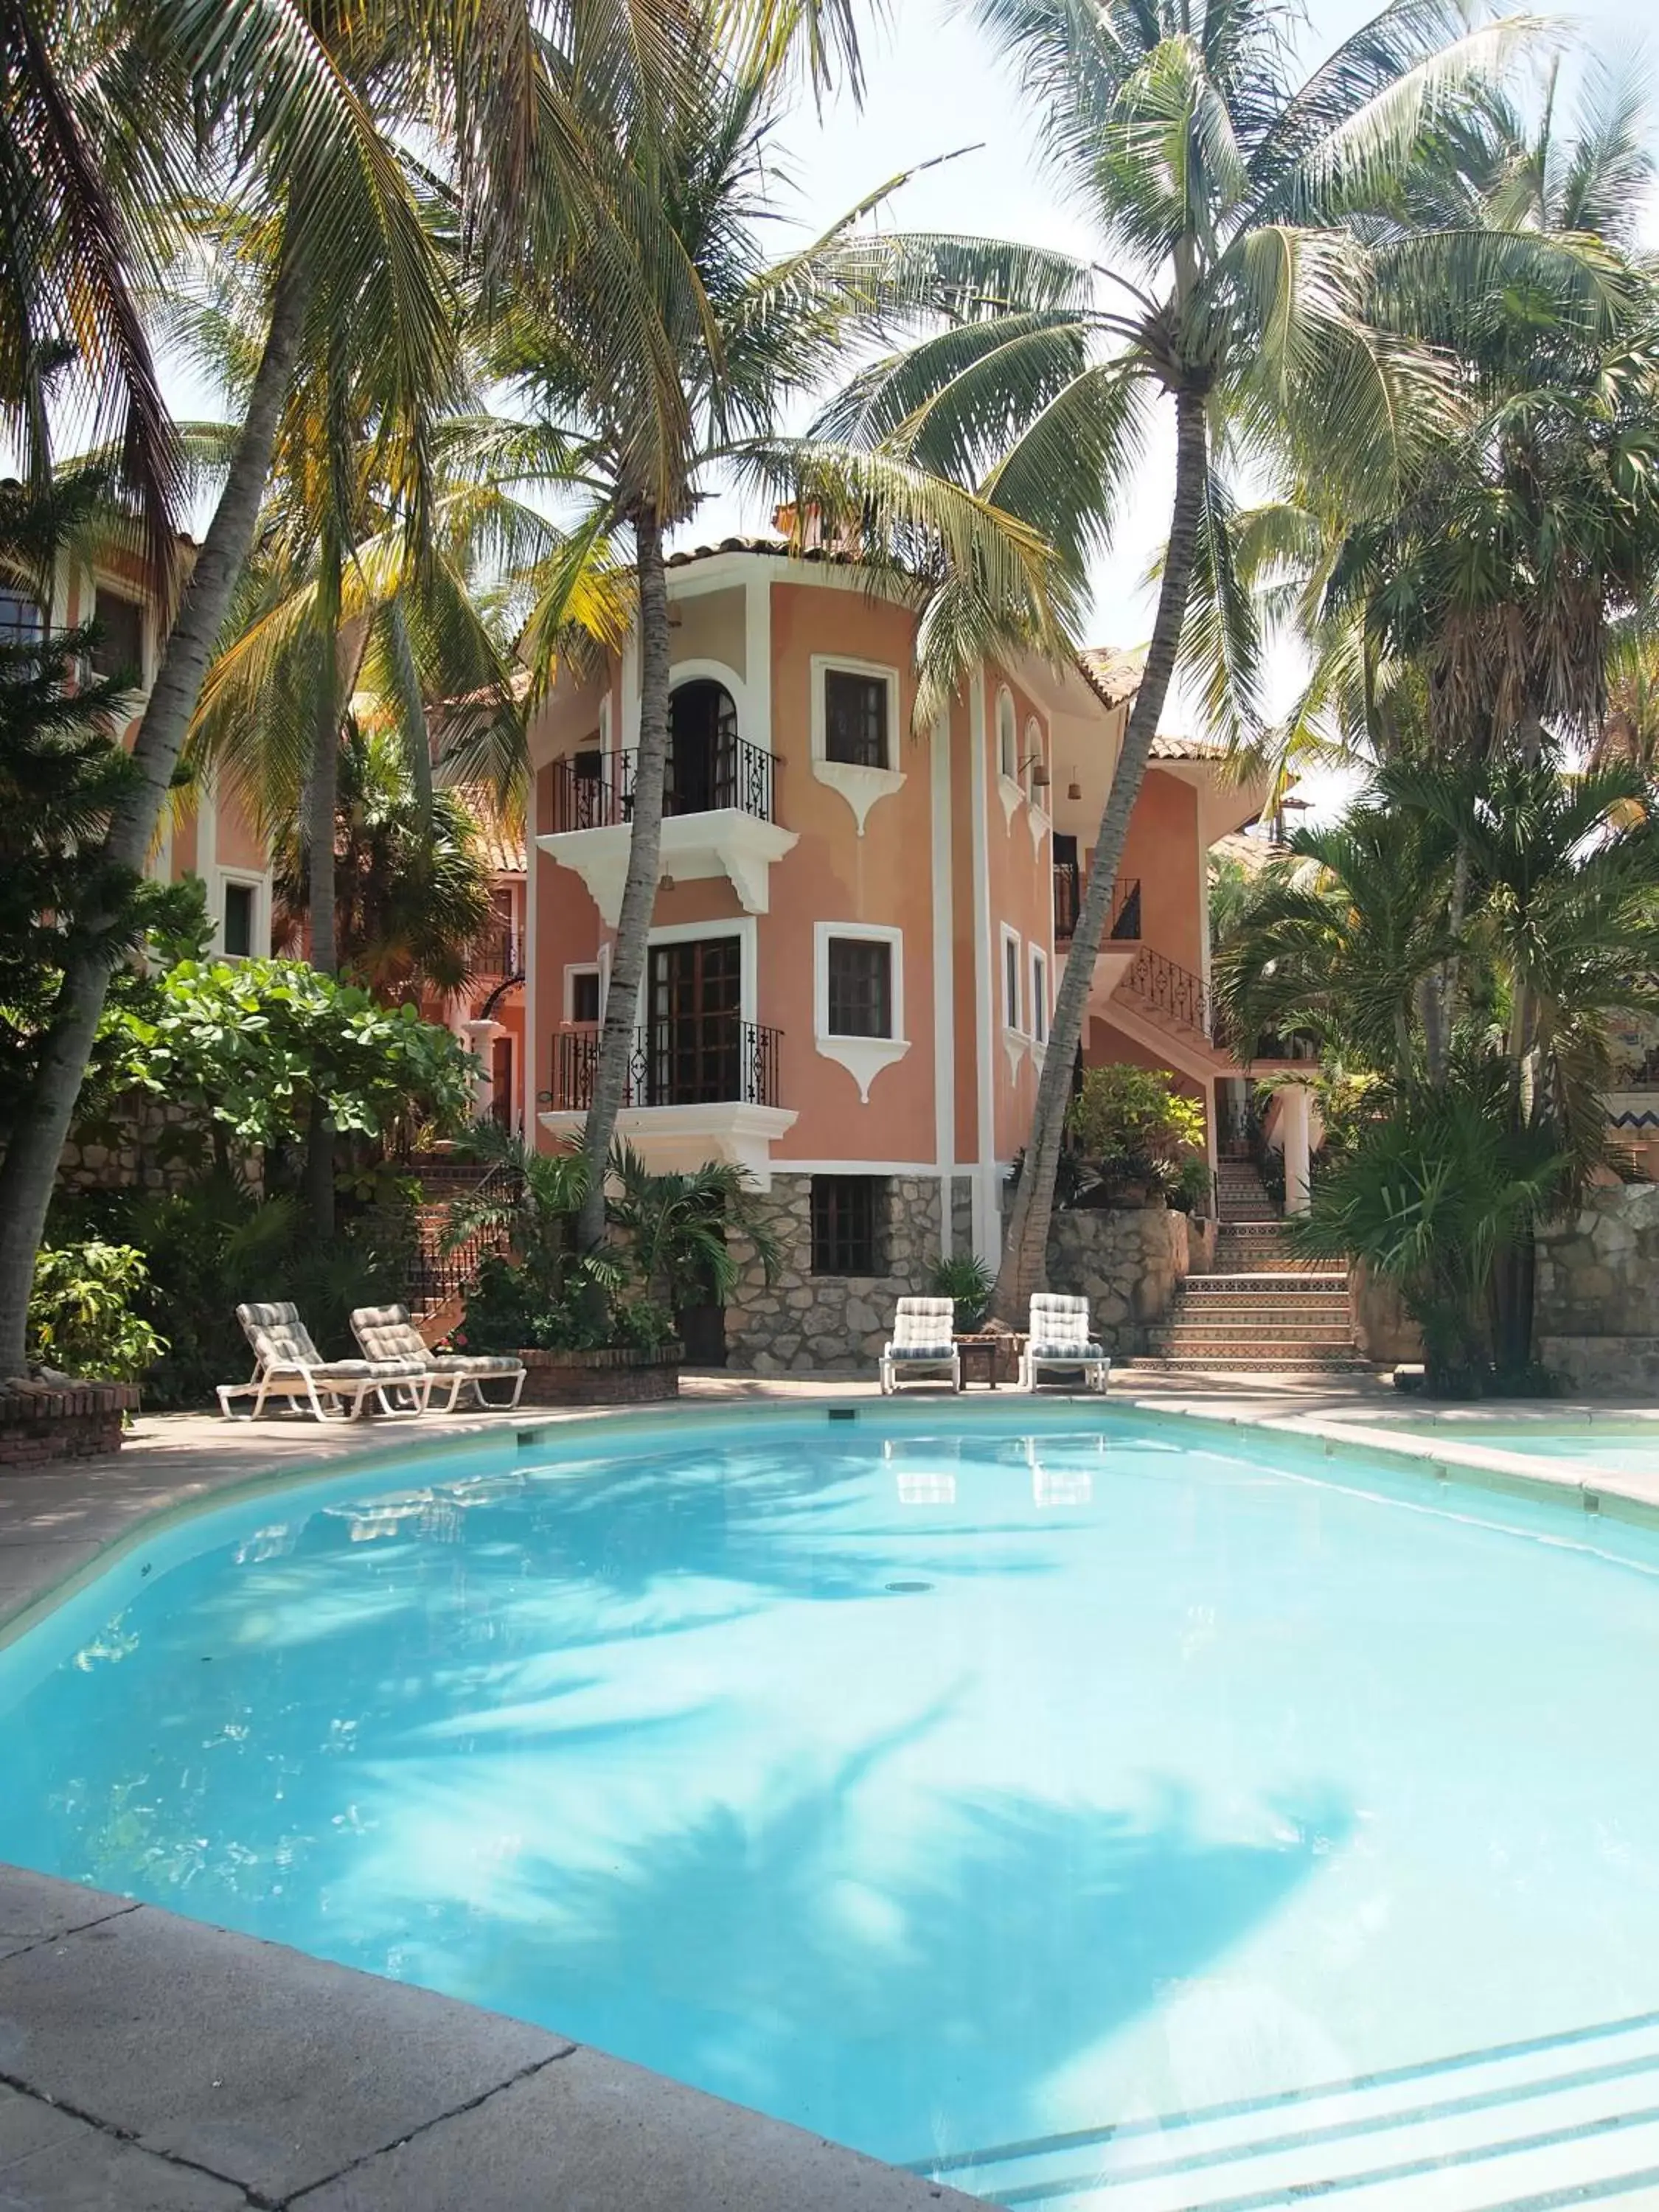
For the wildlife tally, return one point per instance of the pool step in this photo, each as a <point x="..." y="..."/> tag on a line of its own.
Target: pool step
<point x="1520" y="2127"/>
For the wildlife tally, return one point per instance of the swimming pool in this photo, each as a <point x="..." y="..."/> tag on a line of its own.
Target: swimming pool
<point x="1621" y="1443"/>
<point x="996" y="1789"/>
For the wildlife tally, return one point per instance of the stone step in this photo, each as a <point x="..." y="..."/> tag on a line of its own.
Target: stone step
<point x="1348" y="1363"/>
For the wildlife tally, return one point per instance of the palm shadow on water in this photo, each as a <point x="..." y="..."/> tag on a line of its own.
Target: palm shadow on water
<point x="915" y="2008"/>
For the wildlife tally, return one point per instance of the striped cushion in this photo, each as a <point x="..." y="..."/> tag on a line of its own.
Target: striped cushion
<point x="1070" y="1349"/>
<point x="923" y="1328"/>
<point x="387" y="1333"/>
<point x="937" y="1353"/>
<point x="480" y="1362"/>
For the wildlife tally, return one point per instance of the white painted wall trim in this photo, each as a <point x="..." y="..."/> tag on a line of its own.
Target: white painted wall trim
<point x="757" y="652"/>
<point x="945" y="1012"/>
<point x="699" y="671"/>
<point x="987" y="1209"/>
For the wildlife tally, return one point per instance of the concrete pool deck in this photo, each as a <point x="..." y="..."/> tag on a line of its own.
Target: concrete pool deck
<point x="158" y="2064"/>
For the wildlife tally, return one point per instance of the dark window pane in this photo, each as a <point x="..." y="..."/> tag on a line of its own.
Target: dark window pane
<point x="120" y="648"/>
<point x="860" y="992"/>
<point x="239" y="920"/>
<point x="1011" y="982"/>
<point x="20" y="619"/>
<point x="585" y="997"/>
<point x="855" y="719"/>
<point x="849" y="1225"/>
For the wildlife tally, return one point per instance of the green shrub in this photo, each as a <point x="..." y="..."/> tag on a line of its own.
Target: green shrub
<point x="82" y="1319"/>
<point x="967" y="1281"/>
<point x="1133" y="1128"/>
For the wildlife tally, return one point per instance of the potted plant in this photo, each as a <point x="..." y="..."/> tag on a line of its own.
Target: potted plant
<point x="1136" y="1131"/>
<point x="584" y="1323"/>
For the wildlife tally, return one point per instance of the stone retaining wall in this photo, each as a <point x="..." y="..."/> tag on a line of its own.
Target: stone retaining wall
<point x="1596" y="1308"/>
<point x="43" y="1421"/>
<point x="807" y="1324"/>
<point x="1128" y="1264"/>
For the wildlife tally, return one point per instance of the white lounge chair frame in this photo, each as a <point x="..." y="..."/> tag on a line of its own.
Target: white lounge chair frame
<point x="921" y="1347"/>
<point x="1059" y="1340"/>
<point x="288" y="1366"/>
<point x="388" y="1333"/>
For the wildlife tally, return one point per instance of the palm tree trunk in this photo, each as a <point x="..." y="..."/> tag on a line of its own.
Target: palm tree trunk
<point x="1024" y="1257"/>
<point x="42" y="1123"/>
<point x="644" y="861"/>
<point x="323" y="802"/>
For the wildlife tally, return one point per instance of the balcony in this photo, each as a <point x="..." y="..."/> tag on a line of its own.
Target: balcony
<point x="718" y="819"/>
<point x="1071" y="881"/>
<point x="1172" y="996"/>
<point x="702" y="1087"/>
<point x="497" y="952"/>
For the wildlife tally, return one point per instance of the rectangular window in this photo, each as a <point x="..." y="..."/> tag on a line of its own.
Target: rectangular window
<point x="849" y="1225"/>
<point x="861" y="994"/>
<point x="584" y="996"/>
<point x="20" y="619"/>
<point x="855" y="719"/>
<point x="239" y="920"/>
<point x="1009" y="981"/>
<point x="120" y="651"/>
<point x="1039" y="997"/>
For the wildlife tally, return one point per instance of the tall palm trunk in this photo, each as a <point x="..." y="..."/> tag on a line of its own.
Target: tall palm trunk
<point x="322" y="807"/>
<point x="1024" y="1257"/>
<point x="42" y="1123"/>
<point x="644" y="862"/>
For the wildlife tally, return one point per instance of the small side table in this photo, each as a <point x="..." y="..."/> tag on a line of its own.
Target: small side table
<point x="981" y="1355"/>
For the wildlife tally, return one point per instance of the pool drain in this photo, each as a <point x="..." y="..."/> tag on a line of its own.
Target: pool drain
<point x="908" y="1589"/>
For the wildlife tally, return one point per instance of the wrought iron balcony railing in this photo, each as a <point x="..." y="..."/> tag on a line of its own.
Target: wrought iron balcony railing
<point x="1070" y="880"/>
<point x="497" y="952"/>
<point x="696" y="1060"/>
<point x="595" y="791"/>
<point x="1172" y="992"/>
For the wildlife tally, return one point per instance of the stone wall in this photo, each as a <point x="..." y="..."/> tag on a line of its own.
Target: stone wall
<point x="1595" y="1308"/>
<point x="135" y="1154"/>
<point x="808" y="1324"/>
<point x="1128" y="1264"/>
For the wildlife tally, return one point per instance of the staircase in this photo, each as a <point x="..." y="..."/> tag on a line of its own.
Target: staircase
<point x="439" y="1277"/>
<point x="1260" y="1310"/>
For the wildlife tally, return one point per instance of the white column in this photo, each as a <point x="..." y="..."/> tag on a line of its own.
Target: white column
<point x="1295" y="1102"/>
<point x="480" y="1035"/>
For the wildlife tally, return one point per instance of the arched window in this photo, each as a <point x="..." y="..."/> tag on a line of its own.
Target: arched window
<point x="1007" y="742"/>
<point x="1033" y="761"/>
<point x="702" y="747"/>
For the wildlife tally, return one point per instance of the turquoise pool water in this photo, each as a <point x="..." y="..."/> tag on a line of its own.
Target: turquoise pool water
<point x="938" y="1780"/>
<point x="1582" y="1440"/>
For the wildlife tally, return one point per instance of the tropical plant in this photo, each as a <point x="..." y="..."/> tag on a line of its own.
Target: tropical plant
<point x="1435" y="1198"/>
<point x="250" y="1051"/>
<point x="412" y="884"/>
<point x="81" y="1321"/>
<point x="964" y="1277"/>
<point x="1258" y="255"/>
<point x="677" y="1228"/>
<point x="1130" y="1124"/>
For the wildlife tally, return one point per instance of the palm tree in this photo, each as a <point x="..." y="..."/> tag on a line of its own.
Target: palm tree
<point x="739" y="335"/>
<point x="1258" y="252"/>
<point x="307" y="118"/>
<point x="412" y="881"/>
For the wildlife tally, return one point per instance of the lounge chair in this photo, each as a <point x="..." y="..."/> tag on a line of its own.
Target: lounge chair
<point x="387" y="1333"/>
<point x="922" y="1343"/>
<point x="1059" y="1340"/>
<point x="287" y="1364"/>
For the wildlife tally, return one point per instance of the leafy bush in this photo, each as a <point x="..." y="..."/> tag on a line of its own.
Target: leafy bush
<point x="967" y="1281"/>
<point x="1436" y="1198"/>
<point x="1133" y="1128"/>
<point x="517" y="1305"/>
<point x="82" y="1319"/>
<point x="1187" y="1186"/>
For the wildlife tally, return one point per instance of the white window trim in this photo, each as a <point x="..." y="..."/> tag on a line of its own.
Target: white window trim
<point x="1035" y="743"/>
<point x="251" y="879"/>
<point x="1014" y="1039"/>
<point x="573" y="968"/>
<point x="863" y="1057"/>
<point x="1039" y="1005"/>
<point x="1008" y="785"/>
<point x="861" y="787"/>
